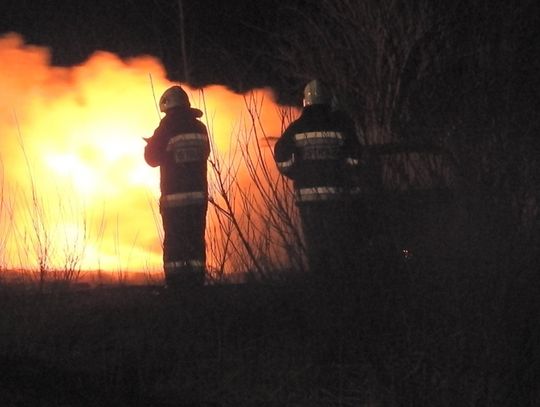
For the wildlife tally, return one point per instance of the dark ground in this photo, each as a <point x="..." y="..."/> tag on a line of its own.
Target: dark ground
<point x="412" y="337"/>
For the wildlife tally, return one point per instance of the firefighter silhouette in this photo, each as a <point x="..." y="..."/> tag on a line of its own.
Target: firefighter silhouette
<point x="180" y="147"/>
<point x="319" y="152"/>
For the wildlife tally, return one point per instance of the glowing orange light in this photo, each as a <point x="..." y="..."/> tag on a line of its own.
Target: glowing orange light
<point x="71" y="149"/>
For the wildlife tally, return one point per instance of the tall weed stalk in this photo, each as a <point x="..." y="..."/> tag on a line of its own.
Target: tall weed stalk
<point x="254" y="226"/>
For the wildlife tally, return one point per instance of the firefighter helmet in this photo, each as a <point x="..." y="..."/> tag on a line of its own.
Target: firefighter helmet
<point x="315" y="94"/>
<point x="174" y="96"/>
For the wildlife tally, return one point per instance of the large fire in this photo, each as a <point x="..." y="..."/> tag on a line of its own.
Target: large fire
<point x="76" y="191"/>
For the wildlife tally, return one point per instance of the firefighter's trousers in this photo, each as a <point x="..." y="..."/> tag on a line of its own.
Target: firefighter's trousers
<point x="332" y="231"/>
<point x="184" y="250"/>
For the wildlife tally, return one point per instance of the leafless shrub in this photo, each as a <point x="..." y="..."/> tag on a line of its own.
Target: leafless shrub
<point x="46" y="250"/>
<point x="254" y="225"/>
<point x="364" y="50"/>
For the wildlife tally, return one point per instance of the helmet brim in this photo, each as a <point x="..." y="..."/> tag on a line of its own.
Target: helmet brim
<point x="196" y="112"/>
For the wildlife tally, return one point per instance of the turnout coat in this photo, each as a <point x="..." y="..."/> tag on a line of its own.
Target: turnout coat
<point x="319" y="152"/>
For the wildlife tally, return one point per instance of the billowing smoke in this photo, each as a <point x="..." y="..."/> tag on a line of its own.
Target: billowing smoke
<point x="76" y="191"/>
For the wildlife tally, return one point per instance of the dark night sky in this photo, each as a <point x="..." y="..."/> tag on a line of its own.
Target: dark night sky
<point x="224" y="39"/>
<point x="230" y="42"/>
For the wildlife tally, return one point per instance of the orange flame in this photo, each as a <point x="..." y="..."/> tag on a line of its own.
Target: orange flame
<point x="75" y="188"/>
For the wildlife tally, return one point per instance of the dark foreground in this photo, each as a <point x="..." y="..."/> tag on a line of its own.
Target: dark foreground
<point x="412" y="337"/>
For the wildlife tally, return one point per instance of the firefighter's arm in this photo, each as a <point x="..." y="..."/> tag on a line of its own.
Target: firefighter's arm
<point x="284" y="155"/>
<point x="155" y="148"/>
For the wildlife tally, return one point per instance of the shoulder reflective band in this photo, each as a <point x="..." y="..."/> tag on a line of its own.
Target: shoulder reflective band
<point x="182" y="199"/>
<point x="188" y="139"/>
<point x="318" y="194"/>
<point x="318" y="137"/>
<point x="285" y="166"/>
<point x="352" y="161"/>
<point x="172" y="266"/>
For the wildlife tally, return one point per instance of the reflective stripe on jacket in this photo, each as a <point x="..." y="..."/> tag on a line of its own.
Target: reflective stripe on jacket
<point x="285" y="166"/>
<point x="318" y="194"/>
<point x="318" y="137"/>
<point x="182" y="199"/>
<point x="178" y="266"/>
